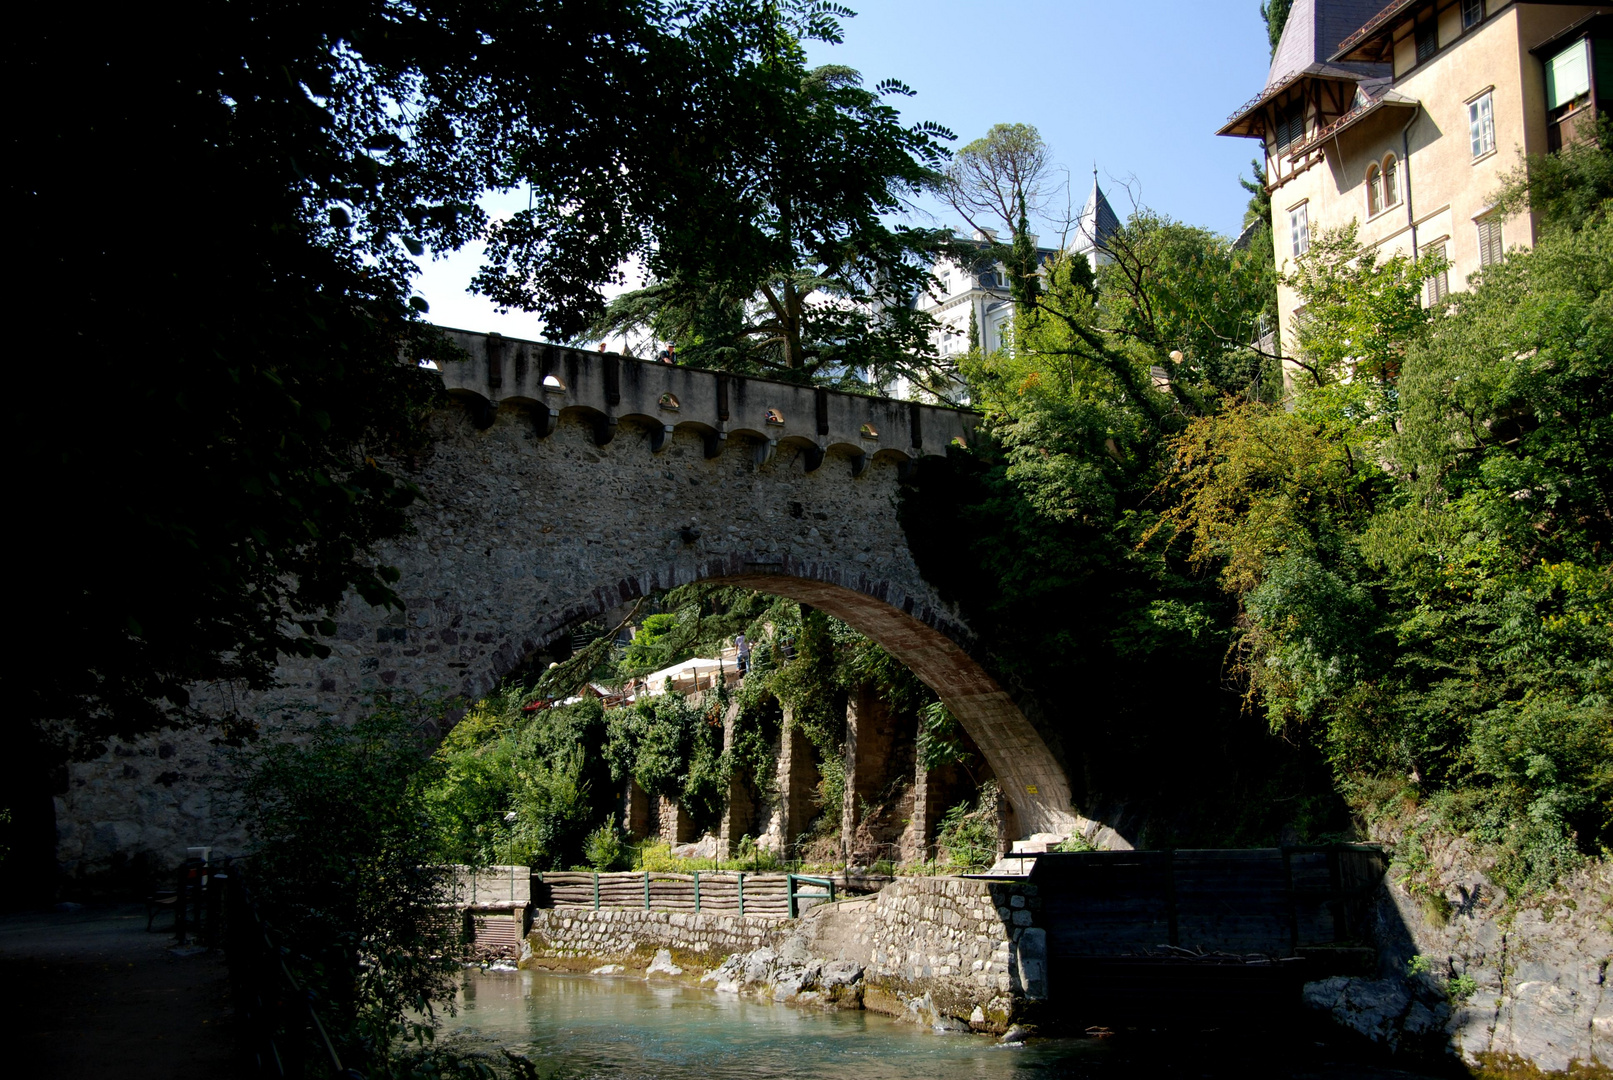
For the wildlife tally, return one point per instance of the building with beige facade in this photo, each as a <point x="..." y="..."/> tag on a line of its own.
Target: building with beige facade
<point x="1407" y="118"/>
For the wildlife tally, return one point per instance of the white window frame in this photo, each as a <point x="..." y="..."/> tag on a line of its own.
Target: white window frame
<point x="1299" y="228"/>
<point x="1390" y="168"/>
<point x="1469" y="6"/>
<point x="1481" y="124"/>
<point x="1375" y="203"/>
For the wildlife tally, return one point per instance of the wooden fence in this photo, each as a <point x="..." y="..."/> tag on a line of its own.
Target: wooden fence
<point x="708" y="892"/>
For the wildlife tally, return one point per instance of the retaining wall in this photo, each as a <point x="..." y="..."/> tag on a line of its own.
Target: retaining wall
<point x="950" y="951"/>
<point x="575" y="938"/>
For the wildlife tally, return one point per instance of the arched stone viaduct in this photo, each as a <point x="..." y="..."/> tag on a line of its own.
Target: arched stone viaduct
<point x="564" y="484"/>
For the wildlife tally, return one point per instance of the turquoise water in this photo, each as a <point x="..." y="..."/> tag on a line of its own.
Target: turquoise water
<point x="624" y="1028"/>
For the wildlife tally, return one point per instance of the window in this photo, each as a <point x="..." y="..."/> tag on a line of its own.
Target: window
<point x="1290" y="124"/>
<point x="1568" y="75"/>
<point x="1391" y="181"/>
<point x="1472" y="13"/>
<point x="1374" y="190"/>
<point x="1481" y="124"/>
<point x="1299" y="226"/>
<point x="1439" y="286"/>
<point x="1491" y="246"/>
<point x="1427" y="40"/>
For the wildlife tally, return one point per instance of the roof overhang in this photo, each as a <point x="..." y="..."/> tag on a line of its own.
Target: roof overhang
<point x="1375" y="43"/>
<point x="1240" y="123"/>
<point x="1390" y="101"/>
<point x="1597" y="25"/>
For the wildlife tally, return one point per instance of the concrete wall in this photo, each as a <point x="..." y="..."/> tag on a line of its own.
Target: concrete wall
<point x="517" y="535"/>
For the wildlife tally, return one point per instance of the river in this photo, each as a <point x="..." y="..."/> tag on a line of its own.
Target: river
<point x="625" y="1029"/>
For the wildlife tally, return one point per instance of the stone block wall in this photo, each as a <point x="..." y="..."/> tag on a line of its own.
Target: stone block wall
<point x="573" y="938"/>
<point x="955" y="951"/>
<point x="518" y="535"/>
<point x="966" y="943"/>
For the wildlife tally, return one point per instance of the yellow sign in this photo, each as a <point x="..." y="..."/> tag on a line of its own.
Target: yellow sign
<point x="1030" y="789"/>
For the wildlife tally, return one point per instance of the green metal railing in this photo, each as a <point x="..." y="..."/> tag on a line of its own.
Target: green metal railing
<point x="796" y="896"/>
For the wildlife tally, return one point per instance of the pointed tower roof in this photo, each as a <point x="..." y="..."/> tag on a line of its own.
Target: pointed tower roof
<point x="1098" y="220"/>
<point x="1310" y="37"/>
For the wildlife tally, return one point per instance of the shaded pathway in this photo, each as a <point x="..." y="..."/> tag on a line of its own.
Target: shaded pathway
<point x="90" y="994"/>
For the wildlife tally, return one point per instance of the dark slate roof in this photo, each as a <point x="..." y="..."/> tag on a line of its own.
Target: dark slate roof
<point x="1312" y="35"/>
<point x="1098" y="221"/>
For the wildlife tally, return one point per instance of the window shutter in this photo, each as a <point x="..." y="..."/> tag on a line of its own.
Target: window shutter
<point x="1427" y="40"/>
<point x="1439" y="286"/>
<point x="1568" y="75"/>
<point x="1491" y="246"/>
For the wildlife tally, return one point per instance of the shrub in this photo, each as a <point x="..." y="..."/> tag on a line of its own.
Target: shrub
<point x="968" y="832"/>
<point x="604" y="849"/>
<point x="348" y="870"/>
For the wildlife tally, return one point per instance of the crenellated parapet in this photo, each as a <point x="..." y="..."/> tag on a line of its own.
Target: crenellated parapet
<point x="757" y="416"/>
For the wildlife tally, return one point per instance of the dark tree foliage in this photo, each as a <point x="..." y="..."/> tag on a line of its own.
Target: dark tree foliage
<point x="817" y="285"/>
<point x="1275" y="14"/>
<point x="350" y="878"/>
<point x="1112" y="642"/>
<point x="1116" y="654"/>
<point x="211" y="479"/>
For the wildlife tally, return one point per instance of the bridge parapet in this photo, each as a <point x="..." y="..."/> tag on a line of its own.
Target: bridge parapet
<point x="606" y="389"/>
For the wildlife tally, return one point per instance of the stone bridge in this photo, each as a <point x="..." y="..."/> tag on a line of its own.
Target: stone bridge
<point x="562" y="484"/>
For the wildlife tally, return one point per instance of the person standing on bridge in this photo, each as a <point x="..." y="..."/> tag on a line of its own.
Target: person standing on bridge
<point x="742" y="651"/>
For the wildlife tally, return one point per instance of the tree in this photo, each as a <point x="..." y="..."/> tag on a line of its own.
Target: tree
<point x="998" y="180"/>
<point x="1275" y="14"/>
<point x="350" y="879"/>
<point x="235" y="328"/>
<point x="821" y="288"/>
<point x="1186" y="299"/>
<point x="1418" y="544"/>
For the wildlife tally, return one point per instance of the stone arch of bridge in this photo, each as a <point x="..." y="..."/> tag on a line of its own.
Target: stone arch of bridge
<point x="1031" y="778"/>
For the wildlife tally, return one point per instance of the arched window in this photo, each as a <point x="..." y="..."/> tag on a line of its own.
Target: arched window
<point x="1391" y="181"/>
<point x="1374" y="189"/>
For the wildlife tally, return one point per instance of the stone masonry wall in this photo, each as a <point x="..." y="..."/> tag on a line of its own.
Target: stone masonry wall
<point x="580" y="938"/>
<point x="964" y="943"/>
<point x="515" y="537"/>
<point x="954" y="952"/>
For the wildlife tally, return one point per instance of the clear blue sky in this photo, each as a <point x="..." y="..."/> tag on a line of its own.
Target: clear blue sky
<point x="1138" y="86"/>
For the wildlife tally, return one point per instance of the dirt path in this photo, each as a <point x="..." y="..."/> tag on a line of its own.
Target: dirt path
<point x="90" y="994"/>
